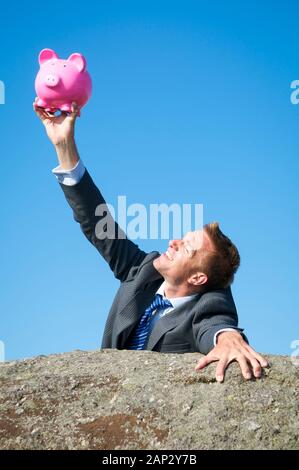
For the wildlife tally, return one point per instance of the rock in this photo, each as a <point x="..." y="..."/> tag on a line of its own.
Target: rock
<point x="253" y="426"/>
<point x="117" y="399"/>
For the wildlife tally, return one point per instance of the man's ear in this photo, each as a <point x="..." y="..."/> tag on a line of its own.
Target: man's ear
<point x="198" y="279"/>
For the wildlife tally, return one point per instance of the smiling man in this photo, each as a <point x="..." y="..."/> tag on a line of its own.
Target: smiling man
<point x="176" y="302"/>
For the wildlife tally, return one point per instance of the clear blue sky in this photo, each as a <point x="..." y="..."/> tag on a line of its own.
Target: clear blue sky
<point x="191" y="104"/>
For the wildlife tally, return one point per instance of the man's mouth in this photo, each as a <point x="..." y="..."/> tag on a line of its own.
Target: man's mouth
<point x="168" y="255"/>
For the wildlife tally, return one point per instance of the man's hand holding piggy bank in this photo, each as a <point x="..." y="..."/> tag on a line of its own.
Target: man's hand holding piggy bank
<point x="60" y="82"/>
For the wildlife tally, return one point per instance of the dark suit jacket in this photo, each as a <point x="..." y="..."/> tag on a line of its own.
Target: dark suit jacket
<point x="188" y="328"/>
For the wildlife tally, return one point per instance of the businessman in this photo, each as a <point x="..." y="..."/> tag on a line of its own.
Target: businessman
<point x="179" y="301"/>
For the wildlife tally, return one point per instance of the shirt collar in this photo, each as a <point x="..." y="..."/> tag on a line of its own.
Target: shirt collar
<point x="176" y="301"/>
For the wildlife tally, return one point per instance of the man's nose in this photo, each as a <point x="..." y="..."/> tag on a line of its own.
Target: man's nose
<point x="174" y="244"/>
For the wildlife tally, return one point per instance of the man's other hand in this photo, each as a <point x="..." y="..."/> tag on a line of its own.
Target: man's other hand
<point x="232" y="347"/>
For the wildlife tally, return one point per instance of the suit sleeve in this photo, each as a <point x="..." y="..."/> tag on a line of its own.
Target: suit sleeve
<point x="92" y="213"/>
<point x="217" y="312"/>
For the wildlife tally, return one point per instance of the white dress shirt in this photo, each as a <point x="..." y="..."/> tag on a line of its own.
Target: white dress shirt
<point x="72" y="177"/>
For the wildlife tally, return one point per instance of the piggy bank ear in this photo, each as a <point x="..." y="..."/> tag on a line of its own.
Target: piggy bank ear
<point x="45" y="55"/>
<point x="78" y="60"/>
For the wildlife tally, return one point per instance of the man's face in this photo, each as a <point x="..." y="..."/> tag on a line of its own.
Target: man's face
<point x="182" y="258"/>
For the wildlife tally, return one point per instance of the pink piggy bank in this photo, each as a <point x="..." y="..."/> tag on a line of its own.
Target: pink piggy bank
<point x="59" y="82"/>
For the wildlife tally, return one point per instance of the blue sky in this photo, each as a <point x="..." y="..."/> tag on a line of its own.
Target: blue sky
<point x="190" y="104"/>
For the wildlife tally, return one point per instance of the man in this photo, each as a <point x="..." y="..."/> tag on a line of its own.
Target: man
<point x="179" y="301"/>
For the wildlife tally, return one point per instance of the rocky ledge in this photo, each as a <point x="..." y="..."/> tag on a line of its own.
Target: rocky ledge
<point x="110" y="399"/>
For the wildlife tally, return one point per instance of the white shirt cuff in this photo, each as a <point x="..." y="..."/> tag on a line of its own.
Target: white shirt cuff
<point x="70" y="177"/>
<point x="220" y="331"/>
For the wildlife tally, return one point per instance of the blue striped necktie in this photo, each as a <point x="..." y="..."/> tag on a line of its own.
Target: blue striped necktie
<point x="141" y="333"/>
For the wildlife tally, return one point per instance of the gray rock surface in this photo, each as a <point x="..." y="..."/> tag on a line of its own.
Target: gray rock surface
<point x="109" y="399"/>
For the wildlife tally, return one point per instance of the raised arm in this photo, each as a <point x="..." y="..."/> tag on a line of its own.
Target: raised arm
<point x="88" y="205"/>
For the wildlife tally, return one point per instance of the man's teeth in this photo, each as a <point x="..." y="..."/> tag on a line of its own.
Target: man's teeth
<point x="168" y="256"/>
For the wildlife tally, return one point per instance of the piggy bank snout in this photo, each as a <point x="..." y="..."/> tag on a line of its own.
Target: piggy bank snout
<point x="52" y="80"/>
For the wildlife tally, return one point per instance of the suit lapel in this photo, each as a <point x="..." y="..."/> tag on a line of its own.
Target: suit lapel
<point x="170" y="321"/>
<point x="132" y="312"/>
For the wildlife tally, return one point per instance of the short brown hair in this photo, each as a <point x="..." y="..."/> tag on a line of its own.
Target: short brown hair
<point x="221" y="263"/>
